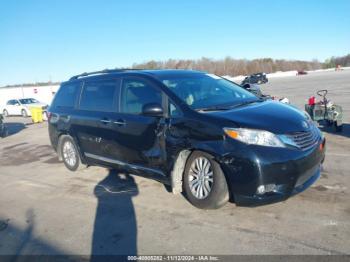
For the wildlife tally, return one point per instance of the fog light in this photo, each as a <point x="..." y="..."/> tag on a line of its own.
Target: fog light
<point x="262" y="189"/>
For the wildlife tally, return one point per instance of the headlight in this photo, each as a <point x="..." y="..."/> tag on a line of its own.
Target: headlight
<point x="254" y="137"/>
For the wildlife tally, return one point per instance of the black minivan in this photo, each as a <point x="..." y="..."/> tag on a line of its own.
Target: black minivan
<point x="195" y="132"/>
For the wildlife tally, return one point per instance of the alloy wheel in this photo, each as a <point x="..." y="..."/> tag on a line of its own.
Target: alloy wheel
<point x="69" y="153"/>
<point x="201" y="177"/>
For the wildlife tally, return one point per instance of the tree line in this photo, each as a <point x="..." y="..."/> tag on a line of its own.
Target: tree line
<point x="335" y="61"/>
<point x="233" y="67"/>
<point x="49" y="83"/>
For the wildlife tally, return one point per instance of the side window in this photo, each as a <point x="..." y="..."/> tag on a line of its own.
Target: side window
<point x="99" y="96"/>
<point x="136" y="93"/>
<point x="67" y="95"/>
<point x="9" y="103"/>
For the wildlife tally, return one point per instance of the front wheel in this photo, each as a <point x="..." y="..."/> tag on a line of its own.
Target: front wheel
<point x="204" y="182"/>
<point x="70" y="153"/>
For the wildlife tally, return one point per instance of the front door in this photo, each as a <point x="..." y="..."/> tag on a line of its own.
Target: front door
<point x="138" y="140"/>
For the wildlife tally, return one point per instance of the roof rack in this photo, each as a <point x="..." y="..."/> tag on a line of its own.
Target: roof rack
<point x="105" y="71"/>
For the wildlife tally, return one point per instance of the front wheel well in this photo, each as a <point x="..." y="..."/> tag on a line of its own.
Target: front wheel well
<point x="178" y="170"/>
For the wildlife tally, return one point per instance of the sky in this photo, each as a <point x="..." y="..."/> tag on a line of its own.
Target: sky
<point x="42" y="40"/>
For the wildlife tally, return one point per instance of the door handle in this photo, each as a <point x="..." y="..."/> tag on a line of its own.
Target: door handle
<point x="119" y="122"/>
<point x="105" y="121"/>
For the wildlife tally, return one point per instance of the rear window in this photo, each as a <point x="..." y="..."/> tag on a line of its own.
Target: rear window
<point x="67" y="95"/>
<point x="99" y="96"/>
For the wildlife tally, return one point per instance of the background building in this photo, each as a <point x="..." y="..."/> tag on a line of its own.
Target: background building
<point x="42" y="93"/>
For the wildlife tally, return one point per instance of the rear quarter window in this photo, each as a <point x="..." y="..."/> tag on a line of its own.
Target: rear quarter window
<point x="67" y="95"/>
<point x="100" y="95"/>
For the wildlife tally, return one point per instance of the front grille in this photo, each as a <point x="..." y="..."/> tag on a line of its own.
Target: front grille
<point x="306" y="139"/>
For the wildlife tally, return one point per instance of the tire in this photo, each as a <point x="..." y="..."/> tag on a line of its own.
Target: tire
<point x="24" y="113"/>
<point x="70" y="154"/>
<point x="217" y="194"/>
<point x="5" y="113"/>
<point x="5" y="132"/>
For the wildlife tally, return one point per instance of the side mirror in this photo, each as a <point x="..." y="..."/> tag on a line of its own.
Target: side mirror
<point x="17" y="104"/>
<point x="246" y="86"/>
<point x="152" y="109"/>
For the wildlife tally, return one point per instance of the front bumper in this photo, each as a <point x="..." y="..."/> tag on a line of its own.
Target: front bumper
<point x="290" y="170"/>
<point x="282" y="193"/>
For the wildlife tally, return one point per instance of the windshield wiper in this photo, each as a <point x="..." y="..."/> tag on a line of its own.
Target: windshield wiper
<point x="228" y="107"/>
<point x="247" y="103"/>
<point x="213" y="108"/>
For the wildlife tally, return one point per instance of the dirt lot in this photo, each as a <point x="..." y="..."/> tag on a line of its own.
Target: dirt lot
<point x="45" y="209"/>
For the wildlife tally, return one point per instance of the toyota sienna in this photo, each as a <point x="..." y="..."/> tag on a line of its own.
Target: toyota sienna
<point x="195" y="132"/>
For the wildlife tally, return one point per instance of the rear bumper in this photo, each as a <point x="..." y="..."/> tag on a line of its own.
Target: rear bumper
<point x="290" y="171"/>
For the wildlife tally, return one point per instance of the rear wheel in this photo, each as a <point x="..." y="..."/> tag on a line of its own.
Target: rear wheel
<point x="70" y="153"/>
<point x="5" y="113"/>
<point x="4" y="132"/>
<point x="24" y="113"/>
<point x="204" y="182"/>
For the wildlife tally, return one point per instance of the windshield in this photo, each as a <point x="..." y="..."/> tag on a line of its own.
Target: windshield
<point x="28" y="101"/>
<point x="205" y="91"/>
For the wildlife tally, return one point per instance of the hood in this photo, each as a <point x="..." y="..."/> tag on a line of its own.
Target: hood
<point x="268" y="115"/>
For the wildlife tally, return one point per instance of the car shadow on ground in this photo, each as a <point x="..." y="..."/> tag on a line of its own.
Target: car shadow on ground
<point x="13" y="128"/>
<point x="331" y="130"/>
<point x="115" y="228"/>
